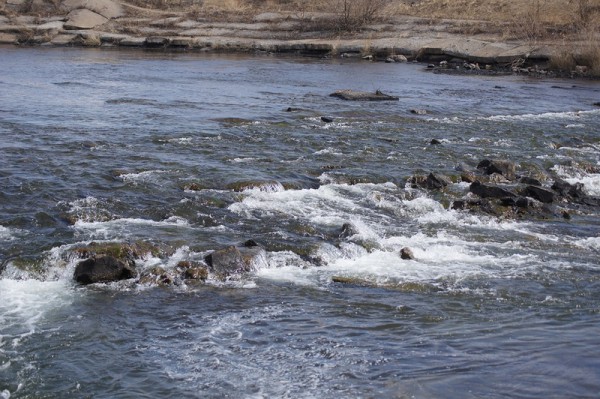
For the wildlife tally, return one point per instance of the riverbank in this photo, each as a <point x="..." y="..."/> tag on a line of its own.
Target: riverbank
<point x="467" y="45"/>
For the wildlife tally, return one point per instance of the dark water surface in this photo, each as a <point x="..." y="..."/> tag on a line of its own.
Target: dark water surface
<point x="107" y="146"/>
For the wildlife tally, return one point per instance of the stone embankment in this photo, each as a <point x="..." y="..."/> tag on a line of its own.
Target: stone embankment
<point x="108" y="23"/>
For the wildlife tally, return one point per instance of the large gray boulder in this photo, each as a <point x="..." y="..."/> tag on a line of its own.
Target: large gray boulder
<point x="84" y="19"/>
<point x="102" y="269"/>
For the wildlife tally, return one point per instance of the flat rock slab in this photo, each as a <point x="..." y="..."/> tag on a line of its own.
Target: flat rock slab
<point x="53" y="25"/>
<point x="107" y="8"/>
<point x="8" y="38"/>
<point x="62" y="40"/>
<point x="352" y="95"/>
<point x="84" y="19"/>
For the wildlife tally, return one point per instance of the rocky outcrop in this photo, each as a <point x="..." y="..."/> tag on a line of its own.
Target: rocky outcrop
<point x="106" y="8"/>
<point x="102" y="269"/>
<point x="574" y="193"/>
<point x="83" y="19"/>
<point x="352" y="95"/>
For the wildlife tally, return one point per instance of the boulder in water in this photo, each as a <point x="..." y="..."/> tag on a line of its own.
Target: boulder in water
<point x="539" y="193"/>
<point x="352" y="95"/>
<point x="407" y="253"/>
<point x="488" y="191"/>
<point x="102" y="269"/>
<point x="347" y="230"/>
<point x="235" y="260"/>
<point x="500" y="166"/>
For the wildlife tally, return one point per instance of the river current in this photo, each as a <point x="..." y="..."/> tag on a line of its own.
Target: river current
<point x="194" y="152"/>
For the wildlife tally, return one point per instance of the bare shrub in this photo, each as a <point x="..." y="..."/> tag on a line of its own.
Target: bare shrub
<point x="354" y="14"/>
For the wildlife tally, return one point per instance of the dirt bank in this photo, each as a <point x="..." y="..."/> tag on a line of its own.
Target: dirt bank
<point x="448" y="44"/>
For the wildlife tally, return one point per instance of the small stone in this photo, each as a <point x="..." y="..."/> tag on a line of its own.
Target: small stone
<point x="196" y="273"/>
<point x="407" y="253"/>
<point x="437" y="181"/>
<point x="468" y="177"/>
<point x="347" y="230"/>
<point x="399" y="58"/>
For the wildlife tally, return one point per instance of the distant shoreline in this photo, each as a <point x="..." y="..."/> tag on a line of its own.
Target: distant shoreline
<point x="445" y="46"/>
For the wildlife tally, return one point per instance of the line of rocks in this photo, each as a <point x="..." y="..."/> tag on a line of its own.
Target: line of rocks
<point x="496" y="189"/>
<point x="109" y="262"/>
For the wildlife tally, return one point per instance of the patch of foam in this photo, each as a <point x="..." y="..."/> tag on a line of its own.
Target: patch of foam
<point x="589" y="243"/>
<point x="563" y="115"/>
<point x="149" y="176"/>
<point x="323" y="205"/>
<point x="328" y="151"/>
<point x="244" y="160"/>
<point x="6" y="234"/>
<point x="109" y="229"/>
<point x="24" y="303"/>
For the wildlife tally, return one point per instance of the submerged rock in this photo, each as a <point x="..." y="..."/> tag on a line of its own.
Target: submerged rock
<point x="352" y="95"/>
<point x="102" y="269"/>
<point x="235" y="260"/>
<point x="156" y="276"/>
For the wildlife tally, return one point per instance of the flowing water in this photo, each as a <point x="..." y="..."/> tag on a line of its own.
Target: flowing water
<point x="197" y="152"/>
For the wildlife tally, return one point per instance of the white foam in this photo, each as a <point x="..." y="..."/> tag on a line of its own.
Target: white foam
<point x="23" y="303"/>
<point x="244" y="160"/>
<point x="562" y="115"/>
<point x="589" y="243"/>
<point x="108" y="229"/>
<point x="329" y="151"/>
<point x="6" y="234"/>
<point x="323" y="205"/>
<point x="149" y="176"/>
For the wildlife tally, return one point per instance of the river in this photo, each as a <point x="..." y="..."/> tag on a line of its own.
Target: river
<point x="194" y="152"/>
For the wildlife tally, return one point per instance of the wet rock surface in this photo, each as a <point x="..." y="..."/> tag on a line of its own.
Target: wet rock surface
<point x="353" y="95"/>
<point x="102" y="269"/>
